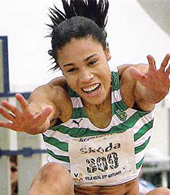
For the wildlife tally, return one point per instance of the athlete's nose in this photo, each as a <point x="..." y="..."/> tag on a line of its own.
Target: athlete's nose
<point x="86" y="76"/>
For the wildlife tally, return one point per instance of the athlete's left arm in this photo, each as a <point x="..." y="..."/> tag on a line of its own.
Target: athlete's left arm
<point x="152" y="84"/>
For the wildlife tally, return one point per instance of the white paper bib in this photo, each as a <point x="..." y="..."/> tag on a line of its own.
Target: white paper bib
<point x="102" y="159"/>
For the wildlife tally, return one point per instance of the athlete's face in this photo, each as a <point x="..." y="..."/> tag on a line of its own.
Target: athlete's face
<point x="84" y="64"/>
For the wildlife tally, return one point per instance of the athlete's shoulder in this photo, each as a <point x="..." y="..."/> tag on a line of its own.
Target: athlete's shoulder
<point x="58" y="94"/>
<point x="59" y="89"/>
<point x="58" y="83"/>
<point x="54" y="91"/>
<point x="124" y="70"/>
<point x="128" y="85"/>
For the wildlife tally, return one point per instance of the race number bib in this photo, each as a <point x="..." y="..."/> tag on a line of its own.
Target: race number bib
<point x="103" y="159"/>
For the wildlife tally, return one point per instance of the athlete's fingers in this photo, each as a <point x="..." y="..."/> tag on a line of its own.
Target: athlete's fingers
<point x="45" y="113"/>
<point x="22" y="101"/>
<point x="168" y="70"/>
<point x="42" y="117"/>
<point x="7" y="125"/>
<point x="136" y="74"/>
<point x="7" y="115"/>
<point x="164" y="63"/>
<point x="11" y="108"/>
<point x="152" y="64"/>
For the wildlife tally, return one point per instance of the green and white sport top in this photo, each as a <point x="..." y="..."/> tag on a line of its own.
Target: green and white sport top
<point x="107" y="156"/>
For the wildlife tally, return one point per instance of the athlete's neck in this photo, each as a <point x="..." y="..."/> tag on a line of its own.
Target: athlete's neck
<point x="98" y="107"/>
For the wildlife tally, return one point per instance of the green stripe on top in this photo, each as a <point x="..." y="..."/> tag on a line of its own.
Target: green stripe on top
<point x="71" y="92"/>
<point x="139" y="164"/>
<point x="55" y="142"/>
<point x="58" y="157"/>
<point x="115" y="81"/>
<point x="143" y="130"/>
<point x="84" y="132"/>
<point x="79" y="113"/>
<point x="118" y="106"/>
<point x="142" y="147"/>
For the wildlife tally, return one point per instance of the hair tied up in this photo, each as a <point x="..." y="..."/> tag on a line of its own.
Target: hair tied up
<point x="95" y="10"/>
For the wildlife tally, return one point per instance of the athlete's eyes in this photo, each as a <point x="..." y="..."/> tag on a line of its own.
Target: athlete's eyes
<point x="71" y="70"/>
<point x="92" y="62"/>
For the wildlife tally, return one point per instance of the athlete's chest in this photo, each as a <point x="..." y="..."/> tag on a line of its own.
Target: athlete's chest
<point x="100" y="118"/>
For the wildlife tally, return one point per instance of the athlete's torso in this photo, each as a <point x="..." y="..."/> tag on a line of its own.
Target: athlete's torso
<point x="79" y="126"/>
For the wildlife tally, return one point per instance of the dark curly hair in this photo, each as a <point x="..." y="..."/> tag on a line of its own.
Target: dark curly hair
<point x="80" y="19"/>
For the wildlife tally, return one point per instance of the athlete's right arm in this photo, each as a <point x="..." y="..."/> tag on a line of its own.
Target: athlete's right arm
<point x="35" y="116"/>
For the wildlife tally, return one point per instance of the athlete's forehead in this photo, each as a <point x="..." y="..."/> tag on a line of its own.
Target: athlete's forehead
<point x="79" y="51"/>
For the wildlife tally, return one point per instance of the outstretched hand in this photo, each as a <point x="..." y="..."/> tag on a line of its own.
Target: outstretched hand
<point x="156" y="79"/>
<point x="24" y="120"/>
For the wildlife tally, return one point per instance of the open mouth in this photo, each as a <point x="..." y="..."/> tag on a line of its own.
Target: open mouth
<point x="91" y="88"/>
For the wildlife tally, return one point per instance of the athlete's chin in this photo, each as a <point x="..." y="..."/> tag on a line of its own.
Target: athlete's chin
<point x="95" y="100"/>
